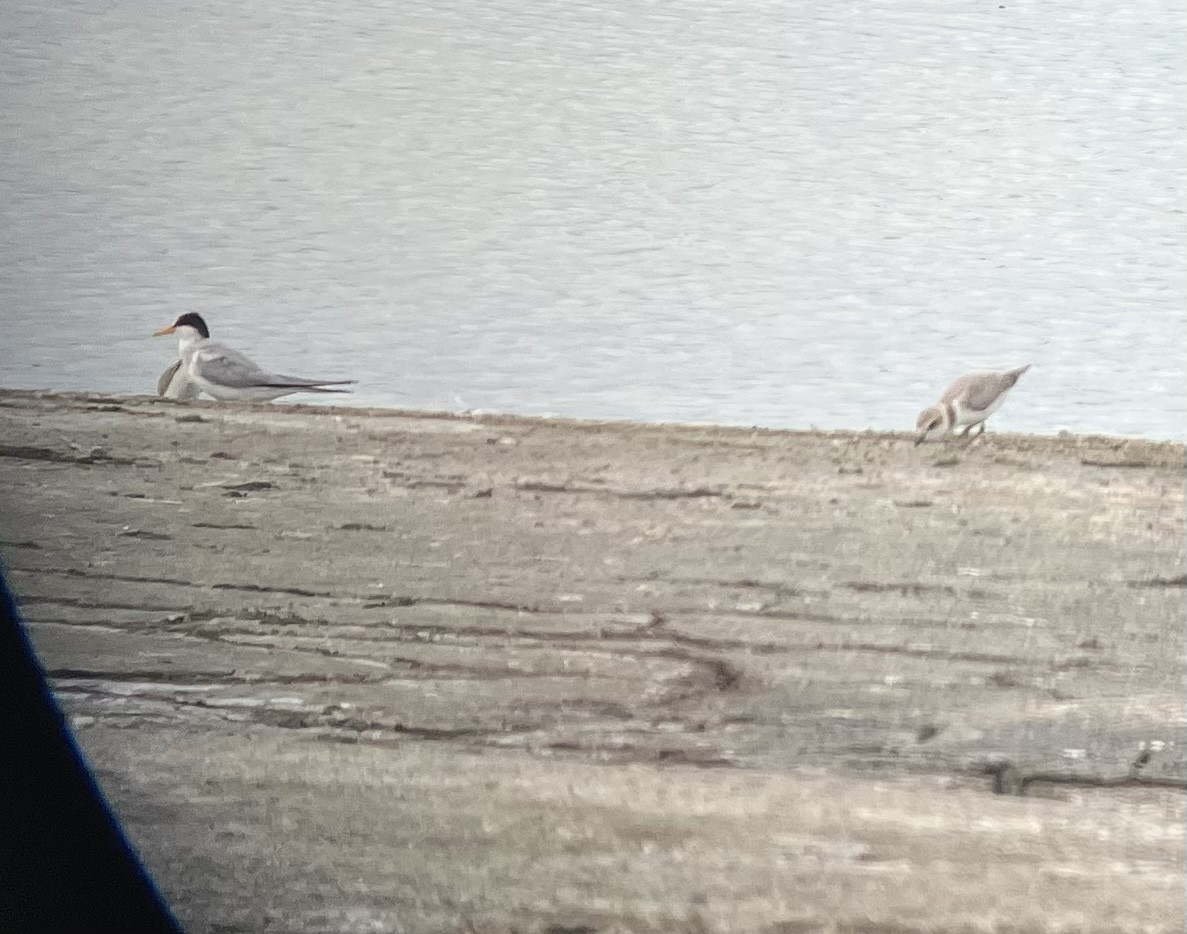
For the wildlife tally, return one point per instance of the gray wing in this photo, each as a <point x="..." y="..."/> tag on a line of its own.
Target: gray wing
<point x="174" y="384"/>
<point x="980" y="390"/>
<point x="226" y="366"/>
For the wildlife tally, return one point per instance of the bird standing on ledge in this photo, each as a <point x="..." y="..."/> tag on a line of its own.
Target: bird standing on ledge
<point x="967" y="402"/>
<point x="224" y="373"/>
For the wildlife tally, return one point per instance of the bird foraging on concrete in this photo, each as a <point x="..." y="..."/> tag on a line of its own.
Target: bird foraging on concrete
<point x="966" y="404"/>
<point x="224" y="373"/>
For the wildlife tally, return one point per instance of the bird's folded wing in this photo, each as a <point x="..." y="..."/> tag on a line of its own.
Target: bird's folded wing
<point x="978" y="391"/>
<point x="224" y="366"/>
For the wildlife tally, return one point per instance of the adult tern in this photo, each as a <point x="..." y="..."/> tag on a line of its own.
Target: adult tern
<point x="224" y="373"/>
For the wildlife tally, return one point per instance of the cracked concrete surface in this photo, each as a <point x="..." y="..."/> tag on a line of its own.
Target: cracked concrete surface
<point x="346" y="670"/>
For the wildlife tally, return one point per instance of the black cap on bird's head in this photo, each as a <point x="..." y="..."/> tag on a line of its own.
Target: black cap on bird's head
<point x="190" y="320"/>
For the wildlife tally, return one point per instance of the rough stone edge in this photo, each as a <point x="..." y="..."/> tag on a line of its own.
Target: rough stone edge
<point x="1120" y="450"/>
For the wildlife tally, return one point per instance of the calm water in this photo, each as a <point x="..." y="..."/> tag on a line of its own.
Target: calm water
<point x="742" y="211"/>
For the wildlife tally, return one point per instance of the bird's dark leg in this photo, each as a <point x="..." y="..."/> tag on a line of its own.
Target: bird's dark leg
<point x="968" y="432"/>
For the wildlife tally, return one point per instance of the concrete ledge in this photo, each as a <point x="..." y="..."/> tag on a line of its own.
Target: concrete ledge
<point x="362" y="670"/>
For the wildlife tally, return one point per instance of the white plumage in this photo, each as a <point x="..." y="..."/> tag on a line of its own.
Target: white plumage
<point x="224" y="373"/>
<point x="967" y="403"/>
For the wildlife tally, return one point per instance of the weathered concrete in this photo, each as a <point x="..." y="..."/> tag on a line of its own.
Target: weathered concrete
<point x="345" y="670"/>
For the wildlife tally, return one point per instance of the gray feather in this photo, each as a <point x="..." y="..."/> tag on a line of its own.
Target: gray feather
<point x="173" y="384"/>
<point x="979" y="390"/>
<point x="226" y="366"/>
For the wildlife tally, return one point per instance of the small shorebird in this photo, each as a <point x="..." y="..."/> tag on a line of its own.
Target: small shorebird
<point x="967" y="402"/>
<point x="224" y="373"/>
<point x="173" y="384"/>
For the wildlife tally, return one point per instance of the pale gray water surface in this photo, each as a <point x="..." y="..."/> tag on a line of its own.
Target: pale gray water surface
<point x="744" y="211"/>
